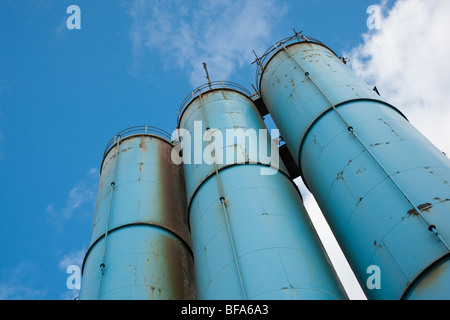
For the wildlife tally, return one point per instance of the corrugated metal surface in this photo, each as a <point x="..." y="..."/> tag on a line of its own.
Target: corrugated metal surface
<point x="141" y="201"/>
<point x="252" y="237"/>
<point x="367" y="166"/>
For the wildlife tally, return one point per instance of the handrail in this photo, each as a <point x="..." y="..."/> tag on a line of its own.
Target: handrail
<point x="206" y="87"/>
<point x="296" y="38"/>
<point x="136" y="130"/>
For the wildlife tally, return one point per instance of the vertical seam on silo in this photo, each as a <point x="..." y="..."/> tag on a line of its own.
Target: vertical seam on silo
<point x="222" y="200"/>
<point x="431" y="227"/>
<point x="113" y="184"/>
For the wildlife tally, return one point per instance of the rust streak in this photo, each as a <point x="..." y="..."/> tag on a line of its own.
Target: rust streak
<point x="441" y="200"/>
<point x="140" y="170"/>
<point x="393" y="131"/>
<point x="142" y="143"/>
<point x="423" y="207"/>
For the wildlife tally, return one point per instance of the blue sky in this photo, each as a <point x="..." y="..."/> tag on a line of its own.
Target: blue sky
<point x="65" y="93"/>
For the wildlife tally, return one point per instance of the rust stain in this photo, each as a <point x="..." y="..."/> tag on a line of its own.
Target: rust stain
<point x="377" y="245"/>
<point x="125" y="150"/>
<point x="153" y="291"/>
<point x="393" y="131"/>
<point x="426" y="207"/>
<point x="142" y="143"/>
<point x="340" y="176"/>
<point x="140" y="170"/>
<point x="432" y="279"/>
<point x="379" y="144"/>
<point x="441" y="200"/>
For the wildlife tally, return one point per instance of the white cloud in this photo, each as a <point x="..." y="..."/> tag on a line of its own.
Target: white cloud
<point x="188" y="33"/>
<point x="74" y="258"/>
<point x="61" y="27"/>
<point x="50" y="209"/>
<point x="81" y="198"/>
<point x="18" y="283"/>
<point x="93" y="172"/>
<point x="78" y="196"/>
<point x="407" y="59"/>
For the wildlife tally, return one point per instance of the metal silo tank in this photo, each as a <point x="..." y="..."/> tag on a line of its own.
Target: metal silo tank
<point x="383" y="187"/>
<point x="140" y="245"/>
<point x="251" y="235"/>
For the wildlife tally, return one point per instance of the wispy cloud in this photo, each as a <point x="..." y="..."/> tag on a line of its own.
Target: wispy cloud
<point x="80" y="199"/>
<point x="78" y="196"/>
<point x="18" y="283"/>
<point x="73" y="258"/>
<point x="61" y="27"/>
<point x="407" y="60"/>
<point x="188" y="33"/>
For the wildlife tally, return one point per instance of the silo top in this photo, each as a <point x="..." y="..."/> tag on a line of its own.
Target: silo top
<point x="263" y="60"/>
<point x="215" y="85"/>
<point x="136" y="131"/>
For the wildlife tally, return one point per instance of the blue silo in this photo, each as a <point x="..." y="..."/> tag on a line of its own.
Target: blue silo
<point x="140" y="245"/>
<point x="251" y="235"/>
<point x="382" y="186"/>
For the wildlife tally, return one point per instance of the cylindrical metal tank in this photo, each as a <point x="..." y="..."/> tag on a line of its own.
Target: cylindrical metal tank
<point x="382" y="186"/>
<point x="140" y="245"/>
<point x="251" y="235"/>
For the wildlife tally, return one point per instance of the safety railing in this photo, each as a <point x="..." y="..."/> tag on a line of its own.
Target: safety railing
<point x="206" y="87"/>
<point x="260" y="61"/>
<point x="136" y="130"/>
